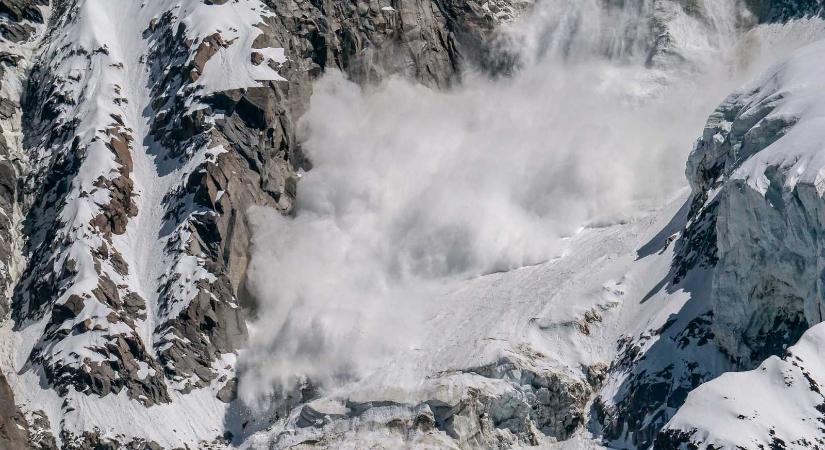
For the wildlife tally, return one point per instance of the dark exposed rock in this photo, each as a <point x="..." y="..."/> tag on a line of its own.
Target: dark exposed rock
<point x="40" y="434"/>
<point x="15" y="432"/>
<point x="673" y="440"/>
<point x="229" y="391"/>
<point x="206" y="49"/>
<point x="202" y="331"/>
<point x="13" y="427"/>
<point x="92" y="440"/>
<point x="783" y="10"/>
<point x="115" y="215"/>
<point x="7" y="108"/>
<point x="21" y="10"/>
<point x="16" y="32"/>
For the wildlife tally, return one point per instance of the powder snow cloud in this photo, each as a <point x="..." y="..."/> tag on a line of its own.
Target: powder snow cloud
<point x="413" y="187"/>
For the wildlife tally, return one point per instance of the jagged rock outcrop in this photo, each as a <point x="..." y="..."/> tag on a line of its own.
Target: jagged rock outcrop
<point x="13" y="427"/>
<point x="21" y="20"/>
<point x="783" y="10"/>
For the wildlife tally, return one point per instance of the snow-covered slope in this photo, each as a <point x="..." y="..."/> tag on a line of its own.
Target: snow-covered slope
<point x="111" y="265"/>
<point x="777" y="405"/>
<point x="469" y="233"/>
<point x="764" y="151"/>
<point x="509" y="358"/>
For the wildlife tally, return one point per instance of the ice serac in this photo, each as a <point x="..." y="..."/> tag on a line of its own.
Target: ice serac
<point x="759" y="167"/>
<point x="760" y="162"/>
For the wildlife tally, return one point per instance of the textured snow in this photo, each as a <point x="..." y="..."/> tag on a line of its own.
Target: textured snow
<point x="99" y="61"/>
<point x="779" y="403"/>
<point x="797" y="87"/>
<point x="534" y="309"/>
<point x="231" y="67"/>
<point x="781" y="399"/>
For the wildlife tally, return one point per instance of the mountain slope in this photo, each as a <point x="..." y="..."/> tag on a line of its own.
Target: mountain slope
<point x="151" y="163"/>
<point x="763" y="149"/>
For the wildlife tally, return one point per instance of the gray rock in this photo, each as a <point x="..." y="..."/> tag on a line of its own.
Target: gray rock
<point x="14" y="433"/>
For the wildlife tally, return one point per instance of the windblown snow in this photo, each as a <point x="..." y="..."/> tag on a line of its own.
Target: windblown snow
<point x="427" y="225"/>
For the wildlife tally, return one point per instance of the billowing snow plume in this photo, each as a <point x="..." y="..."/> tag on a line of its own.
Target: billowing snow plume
<point x="412" y="188"/>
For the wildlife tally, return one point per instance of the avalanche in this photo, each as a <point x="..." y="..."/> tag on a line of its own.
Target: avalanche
<point x="491" y="244"/>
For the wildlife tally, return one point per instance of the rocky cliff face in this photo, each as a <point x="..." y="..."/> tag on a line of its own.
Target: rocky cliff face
<point x="22" y="22"/>
<point x="782" y="10"/>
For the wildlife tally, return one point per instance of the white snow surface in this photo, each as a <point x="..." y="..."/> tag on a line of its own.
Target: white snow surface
<point x="463" y="320"/>
<point x="114" y="80"/>
<point x="797" y="87"/>
<point x="781" y="400"/>
<point x="530" y="310"/>
<point x="231" y="67"/>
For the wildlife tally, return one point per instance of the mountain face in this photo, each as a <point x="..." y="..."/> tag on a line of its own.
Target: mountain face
<point x="138" y="136"/>
<point x="758" y="161"/>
